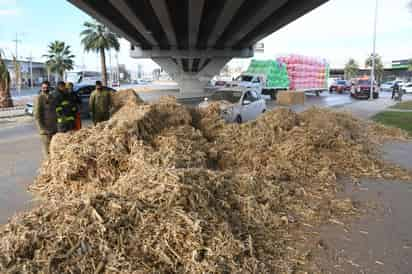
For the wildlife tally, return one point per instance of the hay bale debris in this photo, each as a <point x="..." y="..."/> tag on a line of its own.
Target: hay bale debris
<point x="164" y="189"/>
<point x="121" y="97"/>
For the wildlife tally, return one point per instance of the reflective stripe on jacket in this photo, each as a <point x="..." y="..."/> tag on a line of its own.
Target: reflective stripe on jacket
<point x="66" y="109"/>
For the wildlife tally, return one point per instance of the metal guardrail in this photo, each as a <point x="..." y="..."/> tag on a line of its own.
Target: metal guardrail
<point x="12" y="108"/>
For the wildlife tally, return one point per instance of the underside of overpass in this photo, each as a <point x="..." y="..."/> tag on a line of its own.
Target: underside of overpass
<point x="193" y="39"/>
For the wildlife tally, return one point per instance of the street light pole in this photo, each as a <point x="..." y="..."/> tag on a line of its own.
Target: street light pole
<point x="374" y="52"/>
<point x="18" y="80"/>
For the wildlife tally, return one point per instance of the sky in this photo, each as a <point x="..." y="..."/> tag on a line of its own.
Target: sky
<point x="336" y="31"/>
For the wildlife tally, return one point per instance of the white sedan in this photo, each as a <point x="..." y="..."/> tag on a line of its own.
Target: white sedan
<point x="407" y="88"/>
<point x="241" y="105"/>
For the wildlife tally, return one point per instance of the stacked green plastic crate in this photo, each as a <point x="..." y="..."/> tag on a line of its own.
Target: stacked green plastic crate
<point x="276" y="73"/>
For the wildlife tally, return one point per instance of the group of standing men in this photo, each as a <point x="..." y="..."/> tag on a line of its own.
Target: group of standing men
<point x="59" y="111"/>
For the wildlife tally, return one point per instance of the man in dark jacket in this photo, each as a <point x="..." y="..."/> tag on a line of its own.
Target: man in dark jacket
<point x="66" y="108"/>
<point x="100" y="104"/>
<point x="78" y="100"/>
<point x="45" y="116"/>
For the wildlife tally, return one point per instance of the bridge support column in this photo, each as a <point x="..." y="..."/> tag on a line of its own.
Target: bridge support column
<point x="192" y="82"/>
<point x="191" y="86"/>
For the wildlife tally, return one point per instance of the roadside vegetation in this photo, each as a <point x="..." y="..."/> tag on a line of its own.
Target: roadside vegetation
<point x="379" y="67"/>
<point x="402" y="120"/>
<point x="351" y="69"/>
<point x="5" y="97"/>
<point x="59" y="58"/>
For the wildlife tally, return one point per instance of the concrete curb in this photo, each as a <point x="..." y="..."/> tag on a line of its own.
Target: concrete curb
<point x="13" y="116"/>
<point x="12" y="108"/>
<point x="12" y="112"/>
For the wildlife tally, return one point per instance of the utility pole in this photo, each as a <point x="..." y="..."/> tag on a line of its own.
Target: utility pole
<point x="31" y="69"/>
<point x="17" y="41"/>
<point x="18" y="80"/>
<point x="374" y="52"/>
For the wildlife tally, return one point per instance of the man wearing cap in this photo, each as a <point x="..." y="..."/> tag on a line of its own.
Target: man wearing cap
<point x="100" y="104"/>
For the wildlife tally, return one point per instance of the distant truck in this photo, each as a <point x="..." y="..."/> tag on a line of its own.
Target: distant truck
<point x="297" y="73"/>
<point x="84" y="77"/>
<point x="264" y="77"/>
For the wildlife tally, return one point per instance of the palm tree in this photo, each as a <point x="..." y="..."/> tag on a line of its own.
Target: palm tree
<point x="378" y="66"/>
<point x="351" y="69"/>
<point x="98" y="38"/>
<point x="5" y="97"/>
<point x="59" y="58"/>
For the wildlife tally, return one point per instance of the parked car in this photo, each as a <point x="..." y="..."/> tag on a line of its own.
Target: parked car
<point x="141" y="82"/>
<point x="220" y="83"/>
<point x="361" y="89"/>
<point x="340" y="86"/>
<point x="407" y="88"/>
<point x="242" y="104"/>
<point x="28" y="109"/>
<point x="388" y="86"/>
<point x="83" y="91"/>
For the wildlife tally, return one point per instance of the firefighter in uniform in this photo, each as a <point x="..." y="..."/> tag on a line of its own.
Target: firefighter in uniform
<point x="45" y="115"/>
<point x="66" y="109"/>
<point x="78" y="100"/>
<point x="100" y="104"/>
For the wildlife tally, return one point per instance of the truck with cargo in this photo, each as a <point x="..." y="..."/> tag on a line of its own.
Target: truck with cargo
<point x="294" y="72"/>
<point x="266" y="77"/>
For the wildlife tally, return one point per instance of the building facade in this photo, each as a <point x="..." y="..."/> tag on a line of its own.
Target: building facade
<point x="396" y="70"/>
<point x="38" y="72"/>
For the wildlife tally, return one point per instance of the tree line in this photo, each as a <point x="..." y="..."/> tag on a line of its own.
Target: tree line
<point x="352" y="68"/>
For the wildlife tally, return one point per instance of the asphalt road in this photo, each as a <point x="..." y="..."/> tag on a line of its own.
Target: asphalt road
<point x="20" y="157"/>
<point x="381" y="240"/>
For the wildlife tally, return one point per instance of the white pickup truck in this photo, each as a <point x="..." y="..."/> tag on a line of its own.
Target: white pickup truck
<point x="257" y="83"/>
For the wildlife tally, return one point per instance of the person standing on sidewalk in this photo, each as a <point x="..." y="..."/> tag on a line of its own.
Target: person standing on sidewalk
<point x="100" y="104"/>
<point x="66" y="109"/>
<point x="45" y="116"/>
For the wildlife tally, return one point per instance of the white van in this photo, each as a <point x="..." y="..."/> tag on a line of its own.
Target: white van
<point x="83" y="77"/>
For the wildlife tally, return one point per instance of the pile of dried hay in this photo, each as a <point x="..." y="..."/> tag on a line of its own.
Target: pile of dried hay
<point x="163" y="189"/>
<point x="121" y="97"/>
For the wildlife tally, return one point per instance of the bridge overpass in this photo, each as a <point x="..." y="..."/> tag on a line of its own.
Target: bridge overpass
<point x="193" y="39"/>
